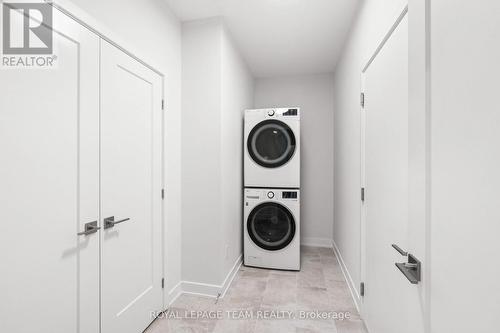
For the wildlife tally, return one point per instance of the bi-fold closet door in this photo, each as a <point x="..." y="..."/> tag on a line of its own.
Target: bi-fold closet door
<point x="80" y="143"/>
<point x="131" y="182"/>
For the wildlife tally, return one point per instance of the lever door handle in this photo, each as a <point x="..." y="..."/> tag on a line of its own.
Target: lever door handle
<point x="109" y="222"/>
<point x="401" y="251"/>
<point x="90" y="228"/>
<point x="411" y="269"/>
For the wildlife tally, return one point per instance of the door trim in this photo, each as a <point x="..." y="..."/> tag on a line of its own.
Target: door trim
<point x="419" y="113"/>
<point x="385" y="39"/>
<point x="79" y="15"/>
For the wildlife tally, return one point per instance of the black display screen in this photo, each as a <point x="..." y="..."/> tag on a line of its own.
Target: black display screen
<point x="289" y="195"/>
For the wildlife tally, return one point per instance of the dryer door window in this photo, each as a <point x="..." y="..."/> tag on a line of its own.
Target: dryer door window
<point x="271" y="226"/>
<point x="271" y="143"/>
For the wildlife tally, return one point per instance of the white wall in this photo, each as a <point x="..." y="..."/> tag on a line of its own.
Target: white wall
<point x="201" y="151"/>
<point x="314" y="95"/>
<point x="217" y="87"/>
<point x="149" y="30"/>
<point x="237" y="95"/>
<point x="464" y="165"/>
<point x="373" y="21"/>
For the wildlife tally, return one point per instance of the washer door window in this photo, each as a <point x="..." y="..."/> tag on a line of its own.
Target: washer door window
<point x="271" y="226"/>
<point x="271" y="143"/>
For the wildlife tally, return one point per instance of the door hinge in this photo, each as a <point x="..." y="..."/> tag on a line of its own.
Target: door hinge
<point x="163" y="283"/>
<point x="163" y="104"/>
<point x="362" y="100"/>
<point x="162" y="193"/>
<point x="363" y="194"/>
<point x="362" y="289"/>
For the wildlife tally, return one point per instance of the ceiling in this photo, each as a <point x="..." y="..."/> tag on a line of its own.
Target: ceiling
<point x="280" y="37"/>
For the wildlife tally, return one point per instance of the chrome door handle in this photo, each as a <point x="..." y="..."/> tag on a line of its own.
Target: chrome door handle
<point x="412" y="269"/>
<point x="401" y="251"/>
<point x="90" y="228"/>
<point x="109" y="222"/>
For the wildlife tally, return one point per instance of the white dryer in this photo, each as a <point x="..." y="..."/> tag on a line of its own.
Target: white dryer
<point x="272" y="148"/>
<point x="271" y="228"/>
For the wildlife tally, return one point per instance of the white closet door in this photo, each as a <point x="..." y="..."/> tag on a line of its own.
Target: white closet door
<point x="49" y="171"/>
<point x="131" y="133"/>
<point x="391" y="303"/>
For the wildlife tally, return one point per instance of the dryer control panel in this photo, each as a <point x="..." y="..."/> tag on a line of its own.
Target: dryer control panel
<point x="291" y="113"/>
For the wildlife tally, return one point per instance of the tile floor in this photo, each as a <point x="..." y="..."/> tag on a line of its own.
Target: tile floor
<point x="319" y="288"/>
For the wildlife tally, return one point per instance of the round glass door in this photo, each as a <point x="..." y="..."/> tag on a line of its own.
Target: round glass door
<point x="271" y="226"/>
<point x="271" y="143"/>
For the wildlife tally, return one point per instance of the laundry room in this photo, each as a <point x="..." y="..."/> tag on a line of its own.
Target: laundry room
<point x="249" y="166"/>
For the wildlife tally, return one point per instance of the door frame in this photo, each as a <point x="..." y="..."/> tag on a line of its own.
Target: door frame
<point x="77" y="14"/>
<point x="419" y="139"/>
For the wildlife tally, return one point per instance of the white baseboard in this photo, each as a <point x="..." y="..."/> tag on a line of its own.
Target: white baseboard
<point x="230" y="276"/>
<point x="173" y="294"/>
<point x="206" y="289"/>
<point x="317" y="242"/>
<point x="201" y="289"/>
<point x="350" y="282"/>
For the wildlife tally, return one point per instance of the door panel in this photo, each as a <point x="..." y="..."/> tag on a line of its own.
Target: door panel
<point x="49" y="143"/>
<point x="130" y="189"/>
<point x="388" y="294"/>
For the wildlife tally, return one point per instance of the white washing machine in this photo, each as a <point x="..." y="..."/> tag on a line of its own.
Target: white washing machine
<point x="272" y="148"/>
<point x="271" y="228"/>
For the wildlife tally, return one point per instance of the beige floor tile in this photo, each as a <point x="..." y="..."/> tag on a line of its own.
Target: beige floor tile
<point x="333" y="274"/>
<point x="326" y="251"/>
<point x="248" y="287"/>
<point x="311" y="277"/>
<point x="313" y="299"/>
<point x="246" y="293"/>
<point x="207" y="304"/>
<point x="295" y="325"/>
<point x="276" y="272"/>
<point x="280" y="299"/>
<point x="234" y="326"/>
<point x="308" y="249"/>
<point x="275" y="326"/>
<point x="255" y="273"/>
<point x="329" y="261"/>
<point x="311" y="263"/>
<point x="187" y="301"/>
<point x="244" y="303"/>
<point x="315" y="326"/>
<point x="182" y="326"/>
<point x="341" y="292"/>
<point x="311" y="258"/>
<point x="319" y="286"/>
<point x="282" y="281"/>
<point x="350" y="326"/>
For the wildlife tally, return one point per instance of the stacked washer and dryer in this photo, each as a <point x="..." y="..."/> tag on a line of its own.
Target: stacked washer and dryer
<point x="271" y="224"/>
